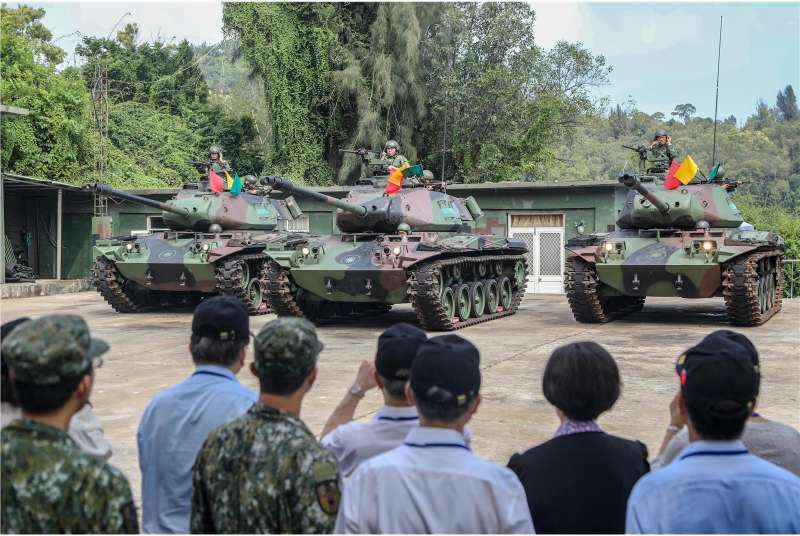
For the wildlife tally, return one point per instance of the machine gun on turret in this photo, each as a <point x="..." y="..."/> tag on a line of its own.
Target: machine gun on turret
<point x="641" y="149"/>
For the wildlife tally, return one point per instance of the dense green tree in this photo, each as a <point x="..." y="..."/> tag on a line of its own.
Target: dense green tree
<point x="55" y="141"/>
<point x="787" y="104"/>
<point x="684" y="111"/>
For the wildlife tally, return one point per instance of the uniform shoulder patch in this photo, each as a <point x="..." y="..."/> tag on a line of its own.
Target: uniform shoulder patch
<point x="329" y="495"/>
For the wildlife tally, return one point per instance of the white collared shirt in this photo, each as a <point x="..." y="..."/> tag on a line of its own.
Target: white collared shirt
<point x="433" y="483"/>
<point x="355" y="442"/>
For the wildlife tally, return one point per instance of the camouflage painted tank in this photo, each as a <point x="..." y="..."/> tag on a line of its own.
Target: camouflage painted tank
<point x="687" y="242"/>
<point x="414" y="246"/>
<point x="218" y="243"/>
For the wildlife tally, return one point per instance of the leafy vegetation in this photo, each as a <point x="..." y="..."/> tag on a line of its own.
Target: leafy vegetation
<point x="462" y="86"/>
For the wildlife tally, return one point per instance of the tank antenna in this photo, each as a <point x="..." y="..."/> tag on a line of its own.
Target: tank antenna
<point x="716" y="99"/>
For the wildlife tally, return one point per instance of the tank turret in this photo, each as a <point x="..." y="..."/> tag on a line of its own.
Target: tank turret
<point x="682" y="208"/>
<point x="197" y="209"/>
<point x="370" y="210"/>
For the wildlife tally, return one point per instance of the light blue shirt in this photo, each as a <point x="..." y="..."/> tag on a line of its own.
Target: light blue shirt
<point x="171" y="432"/>
<point x="716" y="487"/>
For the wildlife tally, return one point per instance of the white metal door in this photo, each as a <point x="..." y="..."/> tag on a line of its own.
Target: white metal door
<point x="545" y="258"/>
<point x="550" y="260"/>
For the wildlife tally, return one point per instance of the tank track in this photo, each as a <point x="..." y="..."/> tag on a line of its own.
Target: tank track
<point x="740" y="282"/>
<point x="426" y="300"/>
<point x="279" y="291"/>
<point x="105" y="279"/>
<point x="283" y="303"/>
<point x="586" y="303"/>
<point x="228" y="275"/>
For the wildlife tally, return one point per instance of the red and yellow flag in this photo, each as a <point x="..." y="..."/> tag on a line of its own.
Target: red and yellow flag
<point x="229" y="180"/>
<point x="670" y="183"/>
<point x="215" y="182"/>
<point x="396" y="178"/>
<point x="680" y="174"/>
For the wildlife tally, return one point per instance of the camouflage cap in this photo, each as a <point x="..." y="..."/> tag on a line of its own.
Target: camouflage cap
<point x="287" y="343"/>
<point x="48" y="350"/>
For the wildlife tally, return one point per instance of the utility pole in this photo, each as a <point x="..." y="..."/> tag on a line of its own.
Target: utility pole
<point x="101" y="223"/>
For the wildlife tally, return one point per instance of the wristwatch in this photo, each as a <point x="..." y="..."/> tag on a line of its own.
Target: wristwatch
<point x="356" y="391"/>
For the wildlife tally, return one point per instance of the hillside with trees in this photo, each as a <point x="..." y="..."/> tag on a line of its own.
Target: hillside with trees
<point x="463" y="87"/>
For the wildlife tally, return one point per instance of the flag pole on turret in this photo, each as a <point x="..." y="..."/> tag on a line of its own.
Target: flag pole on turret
<point x="716" y="99"/>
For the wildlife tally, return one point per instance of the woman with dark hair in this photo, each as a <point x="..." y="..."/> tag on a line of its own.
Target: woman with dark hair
<point x="579" y="481"/>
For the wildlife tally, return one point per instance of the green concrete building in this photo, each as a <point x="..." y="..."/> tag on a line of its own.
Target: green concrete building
<point x="544" y="214"/>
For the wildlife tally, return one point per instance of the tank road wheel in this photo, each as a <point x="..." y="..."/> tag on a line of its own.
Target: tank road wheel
<point x="113" y="287"/>
<point x="255" y="293"/>
<point x="492" y="296"/>
<point x="449" y="302"/>
<point x="477" y="293"/>
<point x="463" y="302"/>
<point x="505" y="293"/>
<point x="753" y="287"/>
<point x="235" y="277"/>
<point x="520" y="274"/>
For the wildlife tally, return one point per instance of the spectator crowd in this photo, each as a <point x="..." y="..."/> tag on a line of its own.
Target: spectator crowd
<point x="216" y="457"/>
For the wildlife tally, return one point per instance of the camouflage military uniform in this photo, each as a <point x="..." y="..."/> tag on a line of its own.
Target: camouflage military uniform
<point x="265" y="472"/>
<point x="396" y="161"/>
<point x="48" y="484"/>
<point x="220" y="167"/>
<point x="659" y="158"/>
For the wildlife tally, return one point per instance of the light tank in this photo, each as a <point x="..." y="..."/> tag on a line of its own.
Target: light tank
<point x="414" y="246"/>
<point x="688" y="242"/>
<point x="217" y="243"/>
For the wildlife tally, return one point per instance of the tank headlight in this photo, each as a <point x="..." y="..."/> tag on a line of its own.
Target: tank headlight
<point x="396" y="250"/>
<point x="305" y="251"/>
<point x="608" y="246"/>
<point x="206" y="247"/>
<point x="708" y="245"/>
<point x="129" y="247"/>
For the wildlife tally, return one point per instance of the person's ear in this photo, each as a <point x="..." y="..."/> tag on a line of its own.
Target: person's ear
<point x="254" y="369"/>
<point x="84" y="389"/>
<point x="377" y="378"/>
<point x="682" y="405"/>
<point x="474" y="405"/>
<point x="242" y="355"/>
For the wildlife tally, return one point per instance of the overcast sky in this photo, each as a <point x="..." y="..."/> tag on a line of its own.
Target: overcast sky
<point x="663" y="54"/>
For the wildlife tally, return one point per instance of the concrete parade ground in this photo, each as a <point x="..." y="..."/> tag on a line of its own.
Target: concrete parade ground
<point x="149" y="352"/>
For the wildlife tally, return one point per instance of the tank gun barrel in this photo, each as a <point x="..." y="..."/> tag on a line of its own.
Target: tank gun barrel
<point x="285" y="185"/>
<point x="632" y="182"/>
<point x="104" y="189"/>
<point x="642" y="150"/>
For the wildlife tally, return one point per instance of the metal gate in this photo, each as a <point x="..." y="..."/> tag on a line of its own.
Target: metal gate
<point x="545" y="251"/>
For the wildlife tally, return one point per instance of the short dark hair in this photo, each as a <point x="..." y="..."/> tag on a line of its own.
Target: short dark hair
<point x="434" y="411"/>
<point x="40" y="399"/>
<point x="281" y="381"/>
<point x="206" y="350"/>
<point x="395" y="388"/>
<point x="582" y="380"/>
<point x="716" y="425"/>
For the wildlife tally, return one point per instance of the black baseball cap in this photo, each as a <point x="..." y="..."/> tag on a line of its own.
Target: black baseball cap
<point x="720" y="376"/>
<point x="446" y="370"/>
<point x="397" y="347"/>
<point x="223" y="318"/>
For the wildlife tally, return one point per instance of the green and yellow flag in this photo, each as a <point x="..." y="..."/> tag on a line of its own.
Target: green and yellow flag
<point x="229" y="180"/>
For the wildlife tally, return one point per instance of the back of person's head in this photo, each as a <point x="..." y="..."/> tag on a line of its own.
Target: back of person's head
<point x="445" y="377"/>
<point x="286" y="352"/>
<point x="6" y="388"/>
<point x="48" y="358"/>
<point x="582" y="380"/>
<point x="720" y="379"/>
<point x="397" y="347"/>
<point x="220" y="330"/>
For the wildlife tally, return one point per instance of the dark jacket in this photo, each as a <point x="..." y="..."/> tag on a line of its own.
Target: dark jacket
<point x="580" y="483"/>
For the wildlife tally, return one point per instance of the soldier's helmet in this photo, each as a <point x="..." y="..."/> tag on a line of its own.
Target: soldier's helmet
<point x="427" y="176"/>
<point x="214" y="149"/>
<point x="403" y="228"/>
<point x="391" y="144"/>
<point x="250" y="180"/>
<point x="660" y="132"/>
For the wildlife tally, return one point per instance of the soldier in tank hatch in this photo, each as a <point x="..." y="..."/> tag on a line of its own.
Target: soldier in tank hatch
<point x="391" y="154"/>
<point x="217" y="164"/>
<point x="660" y="154"/>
